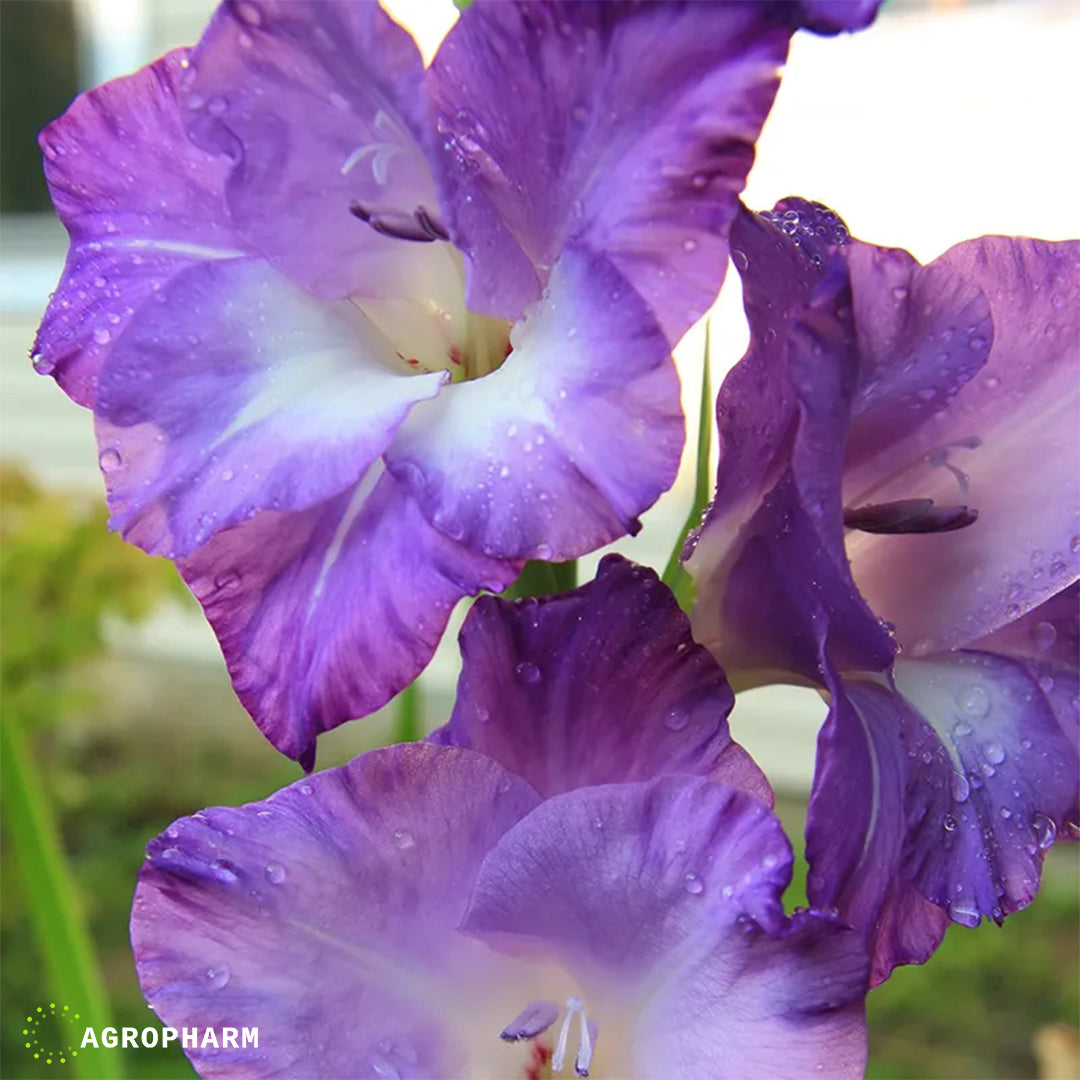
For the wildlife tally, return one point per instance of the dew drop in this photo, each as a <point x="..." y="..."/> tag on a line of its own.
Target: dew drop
<point x="229" y="579"/>
<point x="961" y="789"/>
<point x="305" y="789"/>
<point x="527" y="673"/>
<point x="483" y="713"/>
<point x="102" y="336"/>
<point x="249" y="13"/>
<point x="698" y="181"/>
<point x="217" y="977"/>
<point x="965" y="913"/>
<point x="1045" y="831"/>
<point x="949" y="823"/>
<point x="689" y="244"/>
<point x="543" y="551"/>
<point x="693" y="885"/>
<point x="961" y="729"/>
<point x="739" y="259"/>
<point x="1044" y="635"/>
<point x="404" y="840"/>
<point x="1046" y="684"/>
<point x="1005" y="812"/>
<point x="676" y="719"/>
<point x="224" y="871"/>
<point x="973" y="701"/>
<point x="900" y="293"/>
<point x="275" y="873"/>
<point x="109" y="459"/>
<point x="995" y="753"/>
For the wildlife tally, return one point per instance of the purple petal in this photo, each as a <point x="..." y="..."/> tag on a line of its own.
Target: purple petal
<point x="726" y="985"/>
<point x="324" y="615"/>
<point x="955" y="786"/>
<point x="239" y="393"/>
<point x="557" y="451"/>
<point x="325" y="916"/>
<point x="317" y="107"/>
<point x="835" y="16"/>
<point x="1010" y="442"/>
<point x="769" y="561"/>
<point x="600" y="685"/>
<point x="141" y="204"/>
<point x="642" y="122"/>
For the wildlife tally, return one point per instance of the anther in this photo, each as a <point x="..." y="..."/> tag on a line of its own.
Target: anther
<point x="533" y="1020"/>
<point x="909" y="516"/>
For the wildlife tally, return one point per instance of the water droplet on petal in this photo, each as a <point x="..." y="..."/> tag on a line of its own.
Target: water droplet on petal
<point x="689" y="244"/>
<point x="1044" y="635"/>
<point x="676" y="719"/>
<point x="229" y="579"/>
<point x="224" y="871"/>
<point x="404" y="840"/>
<point x="973" y="701"/>
<point x="305" y="789"/>
<point x="961" y="729"/>
<point x="739" y="259"/>
<point x="949" y="823"/>
<point x="1006" y="813"/>
<point x="275" y="873"/>
<point x="110" y="459"/>
<point x="217" y="977"/>
<point x="900" y="293"/>
<point x="1045" y="831"/>
<point x="693" y="885"/>
<point x="528" y="673"/>
<point x="483" y="714"/>
<point x="961" y="789"/>
<point x="248" y="12"/>
<point x="1046" y="684"/>
<point x="995" y="753"/>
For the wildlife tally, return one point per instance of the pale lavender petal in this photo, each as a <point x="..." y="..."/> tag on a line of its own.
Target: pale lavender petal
<point x="557" y="451"/>
<point x="141" y="204"/>
<point x="597" y="686"/>
<point x="316" y="107"/>
<point x="726" y="985"/>
<point x="325" y="916"/>
<point x="238" y="393"/>
<point x="642" y="122"/>
<point x="325" y="614"/>
<point x="1009" y="443"/>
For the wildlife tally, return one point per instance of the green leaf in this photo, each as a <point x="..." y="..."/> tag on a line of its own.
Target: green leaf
<point x="539" y="578"/>
<point x="675" y="577"/>
<point x="70" y="964"/>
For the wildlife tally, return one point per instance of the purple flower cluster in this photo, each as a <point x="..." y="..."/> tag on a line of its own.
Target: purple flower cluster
<point x="361" y="339"/>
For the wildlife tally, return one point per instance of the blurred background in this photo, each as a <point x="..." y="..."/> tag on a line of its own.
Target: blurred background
<point x="942" y="122"/>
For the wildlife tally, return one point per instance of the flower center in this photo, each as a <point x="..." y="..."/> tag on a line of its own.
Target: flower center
<point x="423" y="315"/>
<point x="537" y="1017"/>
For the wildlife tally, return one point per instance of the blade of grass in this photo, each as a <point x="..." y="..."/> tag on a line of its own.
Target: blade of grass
<point x="71" y="966"/>
<point x="675" y="577"/>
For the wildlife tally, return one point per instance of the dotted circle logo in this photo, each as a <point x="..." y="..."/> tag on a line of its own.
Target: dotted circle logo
<point x="54" y="1043"/>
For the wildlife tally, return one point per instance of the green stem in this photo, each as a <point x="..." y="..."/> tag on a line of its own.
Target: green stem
<point x="675" y="577"/>
<point x="410" y="711"/>
<point x="543" y="579"/>
<point x="70" y="964"/>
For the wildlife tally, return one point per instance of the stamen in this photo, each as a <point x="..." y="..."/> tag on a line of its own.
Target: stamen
<point x="909" y="516"/>
<point x="573" y="1007"/>
<point x="585" y="1046"/>
<point x="534" y="1019"/>
<point x="392" y="223"/>
<point x="430" y="224"/>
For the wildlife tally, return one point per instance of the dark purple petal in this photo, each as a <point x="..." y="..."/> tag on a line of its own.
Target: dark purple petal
<point x="141" y="204"/>
<point x="1008" y="781"/>
<point x="954" y="786"/>
<point x="557" y="451"/>
<point x="1009" y="442"/>
<point x="597" y="686"/>
<point x="325" y="916"/>
<point x="641" y="125"/>
<point x="325" y="614"/>
<point x="316" y="107"/>
<point x="727" y="986"/>
<point x="835" y="16"/>
<point x="238" y="393"/>
<point x="769" y="560"/>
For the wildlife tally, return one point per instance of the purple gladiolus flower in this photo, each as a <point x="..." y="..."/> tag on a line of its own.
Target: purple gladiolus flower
<point x="577" y="873"/>
<point x="896" y="520"/>
<point x="360" y="338"/>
